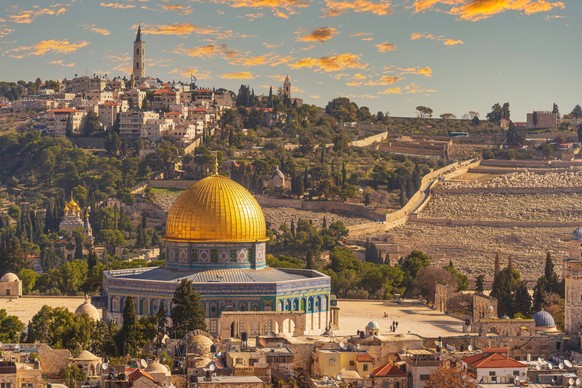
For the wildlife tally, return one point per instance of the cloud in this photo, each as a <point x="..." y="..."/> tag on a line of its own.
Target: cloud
<point x="178" y="8"/>
<point x="266" y="59"/>
<point x="48" y="46"/>
<point x="385" y="47"/>
<point x="123" y="68"/>
<point x="60" y="62"/>
<point x="315" y="96"/>
<point x="331" y="63"/>
<point x="474" y="10"/>
<point x="187" y="72"/>
<point x="382" y="81"/>
<point x="238" y="75"/>
<point x="338" y="7"/>
<point x="437" y="38"/>
<point x="395" y="90"/>
<point x="208" y="51"/>
<point x="365" y="36"/>
<point x="180" y="29"/>
<point x="5" y="31"/>
<point x="117" y="5"/>
<point x="401" y="71"/>
<point x="97" y="30"/>
<point x="27" y="16"/>
<point x="280" y="8"/>
<point x="321" y="34"/>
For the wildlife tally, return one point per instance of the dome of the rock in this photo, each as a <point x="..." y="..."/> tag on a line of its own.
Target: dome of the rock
<point x="216" y="209"/>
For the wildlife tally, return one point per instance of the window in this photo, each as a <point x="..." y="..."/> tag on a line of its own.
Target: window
<point x="239" y="361"/>
<point x="352" y="362"/>
<point x="332" y="362"/>
<point x="558" y="345"/>
<point x="516" y="373"/>
<point x="492" y="373"/>
<point x="366" y="367"/>
<point x="424" y="377"/>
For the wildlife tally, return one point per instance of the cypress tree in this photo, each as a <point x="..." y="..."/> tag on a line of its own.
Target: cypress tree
<point x="479" y="284"/>
<point x="129" y="333"/>
<point x="187" y="314"/>
<point x="522" y="300"/>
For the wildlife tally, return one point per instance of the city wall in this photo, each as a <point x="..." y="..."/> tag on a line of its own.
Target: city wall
<point x="493" y="224"/>
<point x="370" y="140"/>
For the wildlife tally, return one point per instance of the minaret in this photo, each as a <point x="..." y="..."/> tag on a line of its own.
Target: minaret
<point x="138" y="59"/>
<point x="287" y="88"/>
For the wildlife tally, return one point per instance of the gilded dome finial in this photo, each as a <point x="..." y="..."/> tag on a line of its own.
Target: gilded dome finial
<point x="216" y="163"/>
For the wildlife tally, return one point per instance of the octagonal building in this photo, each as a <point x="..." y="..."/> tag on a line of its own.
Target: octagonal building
<point x="216" y="237"/>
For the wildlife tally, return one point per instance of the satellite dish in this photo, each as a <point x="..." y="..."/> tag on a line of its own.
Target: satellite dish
<point x="343" y="346"/>
<point x="572" y="381"/>
<point x="338" y="377"/>
<point x="568" y="363"/>
<point x="561" y="365"/>
<point x="578" y="381"/>
<point x="143" y="363"/>
<point x="470" y="348"/>
<point x="212" y="367"/>
<point x="538" y="367"/>
<point x="105" y="365"/>
<point x="550" y="366"/>
<point x="540" y="360"/>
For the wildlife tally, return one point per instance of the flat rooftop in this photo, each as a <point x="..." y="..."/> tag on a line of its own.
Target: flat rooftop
<point x="26" y="307"/>
<point x="411" y="315"/>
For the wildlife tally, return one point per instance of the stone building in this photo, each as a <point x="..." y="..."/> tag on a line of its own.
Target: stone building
<point x="138" y="73"/>
<point x="86" y="308"/>
<point x="442" y="294"/>
<point x="389" y="376"/>
<point x="484" y="307"/>
<point x="10" y="286"/>
<point x="89" y="364"/>
<point x="215" y="237"/>
<point x="572" y="271"/>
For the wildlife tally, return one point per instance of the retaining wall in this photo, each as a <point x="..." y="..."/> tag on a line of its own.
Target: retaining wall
<point x="492" y="224"/>
<point x="343" y="208"/>
<point x="370" y="140"/>
<point x="528" y="163"/>
<point x="509" y="190"/>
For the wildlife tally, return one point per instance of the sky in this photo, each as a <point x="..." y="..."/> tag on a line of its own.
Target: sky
<point x="453" y="56"/>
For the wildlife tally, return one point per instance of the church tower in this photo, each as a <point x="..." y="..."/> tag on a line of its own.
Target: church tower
<point x="572" y="272"/>
<point x="287" y="88"/>
<point x="138" y="59"/>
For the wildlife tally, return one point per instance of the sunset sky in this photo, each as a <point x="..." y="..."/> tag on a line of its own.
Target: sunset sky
<point x="451" y="55"/>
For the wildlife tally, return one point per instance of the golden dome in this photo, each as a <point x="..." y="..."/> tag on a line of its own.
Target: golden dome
<point x="72" y="205"/>
<point x="216" y="209"/>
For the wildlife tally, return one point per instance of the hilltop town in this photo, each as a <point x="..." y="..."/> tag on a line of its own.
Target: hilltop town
<point x="159" y="234"/>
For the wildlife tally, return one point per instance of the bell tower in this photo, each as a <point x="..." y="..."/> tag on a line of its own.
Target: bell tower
<point x="138" y="59"/>
<point x="287" y="88"/>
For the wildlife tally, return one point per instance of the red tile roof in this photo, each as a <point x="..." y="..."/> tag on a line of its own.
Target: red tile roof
<point x="64" y="110"/>
<point x="492" y="360"/>
<point x="174" y="113"/>
<point x="109" y="103"/>
<point x="496" y="350"/>
<point x="199" y="110"/>
<point x="388" y="371"/>
<point x="138" y="373"/>
<point x="202" y="91"/>
<point x="364" y="357"/>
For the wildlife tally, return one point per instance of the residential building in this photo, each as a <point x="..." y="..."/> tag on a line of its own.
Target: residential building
<point x="542" y="120"/>
<point x="108" y="112"/>
<point x="332" y="362"/>
<point x="494" y="366"/>
<point x="165" y="98"/>
<point x="85" y="84"/>
<point x="200" y="96"/>
<point x="389" y="376"/>
<point x="420" y="364"/>
<point x="57" y="120"/>
<point x="99" y="96"/>
<point x="131" y="123"/>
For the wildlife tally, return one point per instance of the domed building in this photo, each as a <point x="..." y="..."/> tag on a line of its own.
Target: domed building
<point x="544" y="321"/>
<point x="216" y="237"/>
<point x="86" y="308"/>
<point x="10" y="286"/>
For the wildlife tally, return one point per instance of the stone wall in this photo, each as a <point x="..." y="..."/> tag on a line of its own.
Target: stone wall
<point x="528" y="163"/>
<point x="492" y="223"/>
<point x="171" y="184"/>
<point x="509" y="190"/>
<point x="370" y="140"/>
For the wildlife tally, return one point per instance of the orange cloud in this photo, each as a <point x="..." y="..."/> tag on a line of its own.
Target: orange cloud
<point x="332" y="63"/>
<point x="207" y="51"/>
<point x="400" y="71"/>
<point x="117" y="5"/>
<point x="365" y="36"/>
<point x="178" y="29"/>
<point x="395" y="90"/>
<point x="385" y="47"/>
<point x="338" y="7"/>
<point x="266" y="59"/>
<point x="26" y="17"/>
<point x="483" y="9"/>
<point x="437" y="38"/>
<point x="238" y="75"/>
<point x="474" y="10"/>
<point x="48" y="46"/>
<point x="5" y="32"/>
<point x="97" y="30"/>
<point x="280" y="8"/>
<point x="60" y="62"/>
<point x="320" y="35"/>
<point x="122" y="68"/>
<point x="417" y="89"/>
<point x="383" y="81"/>
<point x="192" y="71"/>
<point x="178" y="8"/>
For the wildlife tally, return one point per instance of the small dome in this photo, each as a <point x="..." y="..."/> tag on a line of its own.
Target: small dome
<point x="88" y="309"/>
<point x="372" y="326"/>
<point x="154" y="366"/>
<point x="198" y="344"/>
<point x="505" y="317"/>
<point x="544" y="319"/>
<point x="86" y="355"/>
<point x="577" y="234"/>
<point x="9" y="277"/>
